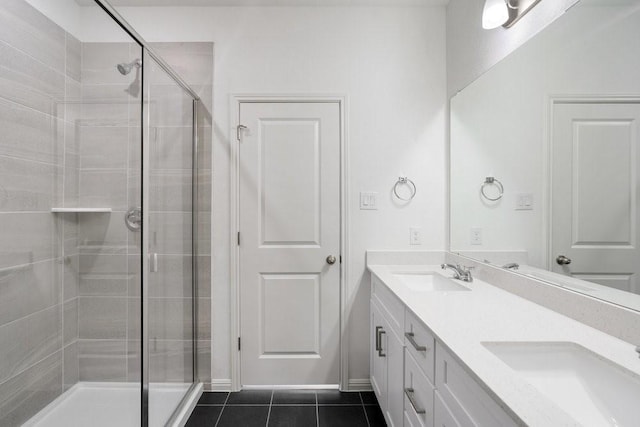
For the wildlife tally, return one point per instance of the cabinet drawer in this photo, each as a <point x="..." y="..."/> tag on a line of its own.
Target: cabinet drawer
<point x="463" y="395"/>
<point x="442" y="416"/>
<point x="420" y="344"/>
<point x="418" y="394"/>
<point x="393" y="308"/>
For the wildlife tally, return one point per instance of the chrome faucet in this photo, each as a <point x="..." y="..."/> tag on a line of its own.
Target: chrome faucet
<point x="459" y="272"/>
<point x="511" y="266"/>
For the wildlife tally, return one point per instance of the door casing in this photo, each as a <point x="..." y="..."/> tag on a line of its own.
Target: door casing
<point x="234" y="214"/>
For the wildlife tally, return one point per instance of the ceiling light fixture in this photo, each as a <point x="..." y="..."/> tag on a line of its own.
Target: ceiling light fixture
<point x="504" y="12"/>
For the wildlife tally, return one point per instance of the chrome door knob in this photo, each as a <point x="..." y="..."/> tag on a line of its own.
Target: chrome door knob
<point x="563" y="260"/>
<point x="331" y="260"/>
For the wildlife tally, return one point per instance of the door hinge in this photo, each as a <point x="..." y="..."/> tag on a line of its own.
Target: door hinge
<point x="238" y="238"/>
<point x="239" y="129"/>
<point x="340" y="259"/>
<point x="239" y="344"/>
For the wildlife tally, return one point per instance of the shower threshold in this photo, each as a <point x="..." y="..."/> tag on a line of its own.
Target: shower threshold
<point x="102" y="404"/>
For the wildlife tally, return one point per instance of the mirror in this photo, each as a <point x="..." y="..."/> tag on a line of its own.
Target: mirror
<point x="551" y="136"/>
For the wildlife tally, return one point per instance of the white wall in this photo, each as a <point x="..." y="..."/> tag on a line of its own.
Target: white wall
<point x="498" y="122"/>
<point x="65" y="13"/>
<point x="390" y="62"/>
<point x="471" y="50"/>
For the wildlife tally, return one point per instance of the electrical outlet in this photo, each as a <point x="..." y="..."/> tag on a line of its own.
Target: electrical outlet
<point x="476" y="236"/>
<point x="415" y="236"/>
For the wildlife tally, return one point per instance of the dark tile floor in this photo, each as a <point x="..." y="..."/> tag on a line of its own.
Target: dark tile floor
<point x="287" y="408"/>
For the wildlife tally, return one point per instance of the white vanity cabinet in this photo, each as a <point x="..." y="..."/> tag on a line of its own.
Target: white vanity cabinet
<point x="417" y="381"/>
<point x="463" y="401"/>
<point x="419" y="366"/>
<point x="387" y="377"/>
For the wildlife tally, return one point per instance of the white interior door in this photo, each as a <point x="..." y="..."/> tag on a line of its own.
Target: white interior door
<point x="594" y="192"/>
<point x="289" y="181"/>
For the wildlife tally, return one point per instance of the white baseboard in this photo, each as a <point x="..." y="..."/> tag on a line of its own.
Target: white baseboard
<point x="221" y="384"/>
<point x="360" y="384"/>
<point x="355" y="384"/>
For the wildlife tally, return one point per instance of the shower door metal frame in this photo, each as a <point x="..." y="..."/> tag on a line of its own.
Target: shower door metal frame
<point x="150" y="53"/>
<point x="111" y="11"/>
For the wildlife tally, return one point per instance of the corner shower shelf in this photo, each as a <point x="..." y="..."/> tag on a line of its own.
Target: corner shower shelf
<point x="80" y="210"/>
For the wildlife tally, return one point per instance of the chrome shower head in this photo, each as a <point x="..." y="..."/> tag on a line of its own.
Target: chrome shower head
<point x="125" y="68"/>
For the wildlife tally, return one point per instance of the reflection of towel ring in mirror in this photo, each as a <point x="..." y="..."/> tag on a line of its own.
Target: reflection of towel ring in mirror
<point x="406" y="181"/>
<point x="490" y="180"/>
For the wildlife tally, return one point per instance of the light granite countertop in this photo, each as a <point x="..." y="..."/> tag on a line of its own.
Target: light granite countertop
<point x="462" y="321"/>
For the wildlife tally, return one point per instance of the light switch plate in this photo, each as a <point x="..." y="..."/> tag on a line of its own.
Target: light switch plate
<point x="368" y="200"/>
<point x="524" y="202"/>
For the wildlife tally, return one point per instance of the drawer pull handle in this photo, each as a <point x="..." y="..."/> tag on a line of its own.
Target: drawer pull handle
<point x="409" y="393"/>
<point x="380" y="353"/>
<point x="378" y="328"/>
<point x="413" y="342"/>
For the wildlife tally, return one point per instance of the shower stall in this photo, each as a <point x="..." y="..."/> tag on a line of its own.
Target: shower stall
<point x="104" y="238"/>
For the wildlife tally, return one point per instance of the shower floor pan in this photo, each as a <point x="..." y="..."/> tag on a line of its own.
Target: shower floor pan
<point x="109" y="404"/>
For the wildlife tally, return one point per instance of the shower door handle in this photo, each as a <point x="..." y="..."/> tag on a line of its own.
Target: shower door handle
<point x="153" y="262"/>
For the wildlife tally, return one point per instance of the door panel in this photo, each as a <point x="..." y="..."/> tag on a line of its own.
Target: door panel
<point x="290" y="180"/>
<point x="594" y="196"/>
<point x="168" y="188"/>
<point x="286" y="297"/>
<point x="289" y="224"/>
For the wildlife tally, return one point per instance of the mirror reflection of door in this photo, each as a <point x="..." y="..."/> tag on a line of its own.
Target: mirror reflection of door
<point x="595" y="179"/>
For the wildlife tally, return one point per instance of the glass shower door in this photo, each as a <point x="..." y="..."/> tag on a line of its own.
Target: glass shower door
<point x="168" y="204"/>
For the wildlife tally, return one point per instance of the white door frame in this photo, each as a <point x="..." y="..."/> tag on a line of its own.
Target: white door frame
<point x="234" y="215"/>
<point x="547" y="195"/>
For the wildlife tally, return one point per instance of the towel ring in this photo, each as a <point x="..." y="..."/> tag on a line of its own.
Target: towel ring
<point x="490" y="180"/>
<point x="403" y="180"/>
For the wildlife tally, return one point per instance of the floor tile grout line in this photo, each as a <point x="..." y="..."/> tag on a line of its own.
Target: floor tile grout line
<point x="219" y="416"/>
<point x="270" y="405"/>
<point x="224" y="405"/>
<point x="364" y="409"/>
<point x="317" y="410"/>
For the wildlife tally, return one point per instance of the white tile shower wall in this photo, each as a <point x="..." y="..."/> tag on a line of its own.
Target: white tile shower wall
<point x="390" y="62"/>
<point x="171" y="153"/>
<point x="109" y="279"/>
<point x="57" y="268"/>
<point x="39" y="77"/>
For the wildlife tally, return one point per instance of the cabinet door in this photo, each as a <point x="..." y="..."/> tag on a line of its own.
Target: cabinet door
<point x="465" y="398"/>
<point x="442" y="415"/>
<point x="394" y="349"/>
<point x="418" y="400"/>
<point x="378" y="362"/>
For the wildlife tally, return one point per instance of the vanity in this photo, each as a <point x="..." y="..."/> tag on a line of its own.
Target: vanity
<point x="445" y="352"/>
<point x="543" y="203"/>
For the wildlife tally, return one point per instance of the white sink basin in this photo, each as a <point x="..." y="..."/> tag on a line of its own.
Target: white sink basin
<point x="593" y="390"/>
<point x="429" y="282"/>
